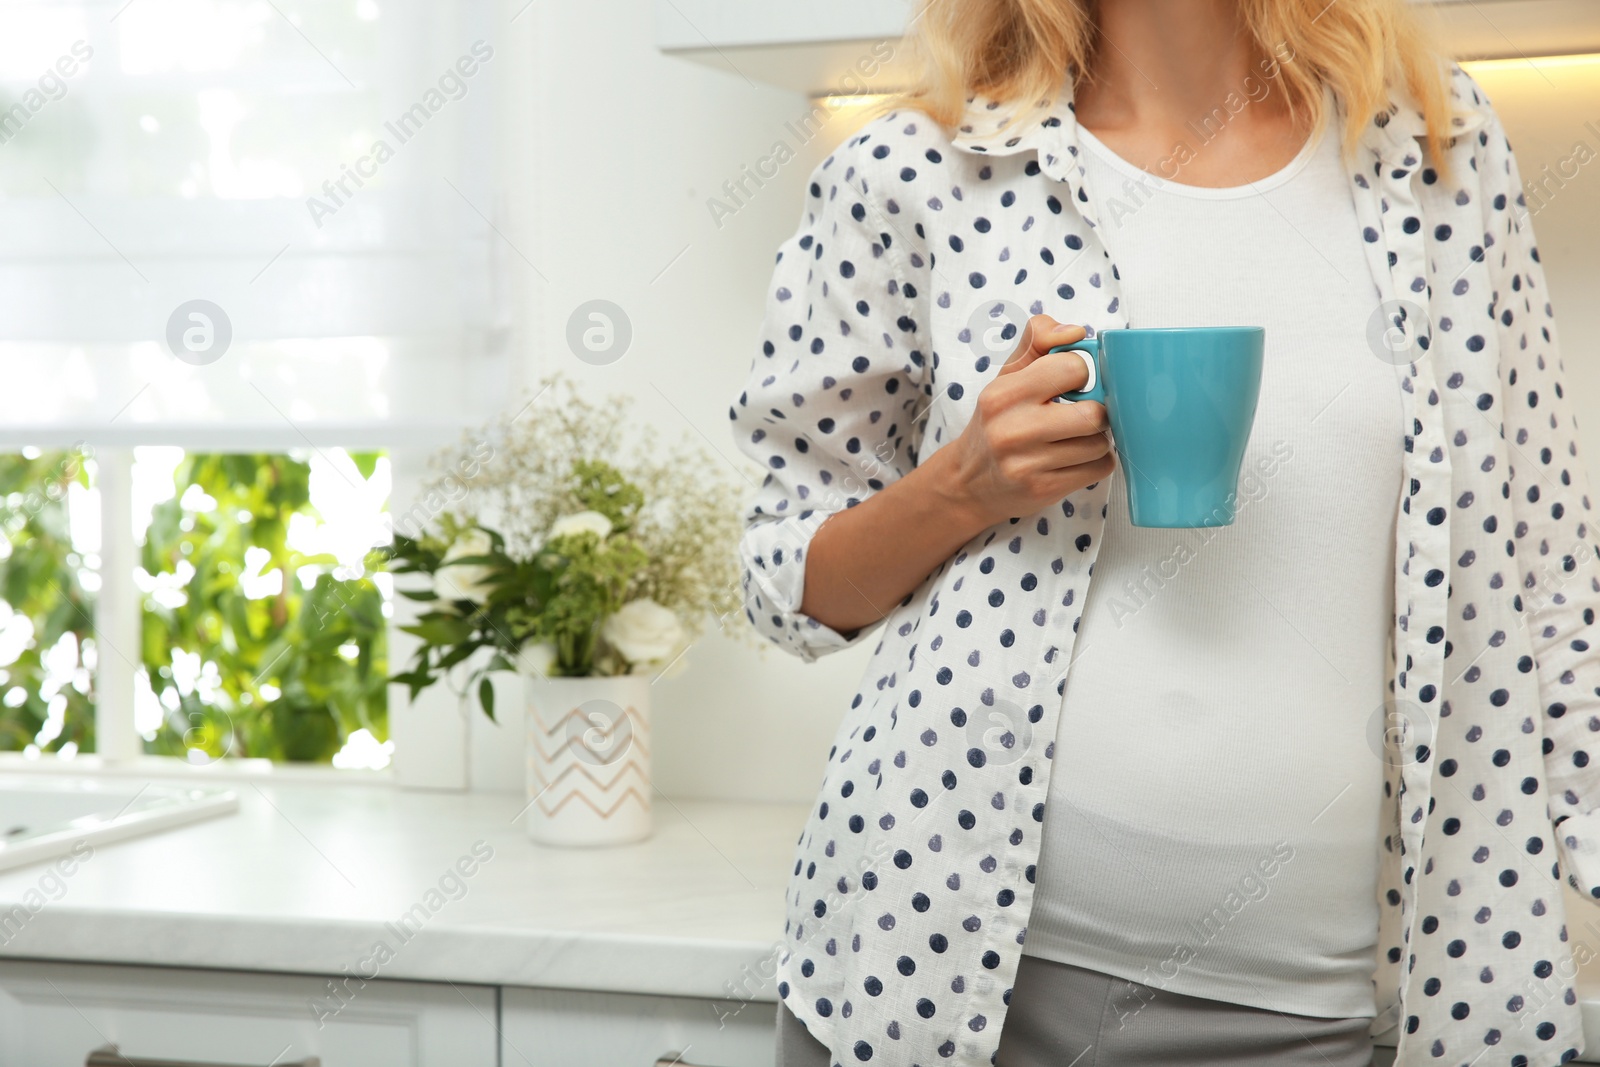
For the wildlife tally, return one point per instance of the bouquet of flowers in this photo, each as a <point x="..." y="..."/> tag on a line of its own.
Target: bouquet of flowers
<point x="555" y="544"/>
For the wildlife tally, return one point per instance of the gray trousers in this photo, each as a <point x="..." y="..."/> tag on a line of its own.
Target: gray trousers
<point x="1066" y="1016"/>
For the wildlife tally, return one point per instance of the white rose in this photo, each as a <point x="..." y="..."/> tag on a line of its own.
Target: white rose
<point x="582" y="522"/>
<point x="536" y="659"/>
<point x="644" y="632"/>
<point x="464" y="581"/>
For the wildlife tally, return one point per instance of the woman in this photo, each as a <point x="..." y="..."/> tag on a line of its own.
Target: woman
<point x="1253" y="793"/>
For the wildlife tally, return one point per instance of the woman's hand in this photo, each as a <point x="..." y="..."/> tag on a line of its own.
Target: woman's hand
<point x="1023" y="451"/>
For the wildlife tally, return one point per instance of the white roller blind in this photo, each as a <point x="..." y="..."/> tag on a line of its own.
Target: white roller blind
<point x="158" y="152"/>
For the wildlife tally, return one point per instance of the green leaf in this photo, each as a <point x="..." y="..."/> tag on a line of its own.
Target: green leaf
<point x="486" y="697"/>
<point x="416" y="680"/>
<point x="441" y="630"/>
<point x="458" y="653"/>
<point x="366" y="462"/>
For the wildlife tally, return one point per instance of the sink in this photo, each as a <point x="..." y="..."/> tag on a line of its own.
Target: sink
<point x="41" y="818"/>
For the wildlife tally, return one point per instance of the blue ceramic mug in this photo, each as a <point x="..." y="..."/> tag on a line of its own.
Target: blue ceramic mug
<point x="1181" y="403"/>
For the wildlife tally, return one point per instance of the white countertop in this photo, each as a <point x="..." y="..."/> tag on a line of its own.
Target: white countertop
<point x="308" y="878"/>
<point x="304" y="878"/>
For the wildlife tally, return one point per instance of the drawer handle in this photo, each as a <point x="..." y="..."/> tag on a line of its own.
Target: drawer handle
<point x="108" y="1056"/>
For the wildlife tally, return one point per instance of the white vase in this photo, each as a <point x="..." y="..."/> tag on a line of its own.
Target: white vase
<point x="588" y="760"/>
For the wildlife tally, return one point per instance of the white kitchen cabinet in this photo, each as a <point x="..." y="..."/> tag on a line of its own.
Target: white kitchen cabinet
<point x="687" y="24"/>
<point x="833" y="46"/>
<point x="55" y="1014"/>
<point x="1517" y="29"/>
<point x="852" y="46"/>
<point x="562" y="1028"/>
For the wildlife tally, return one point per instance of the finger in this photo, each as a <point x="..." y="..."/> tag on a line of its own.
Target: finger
<point x="1064" y="455"/>
<point x="1080" y="418"/>
<point x="1063" y="422"/>
<point x="1050" y="374"/>
<point x="1094" y="466"/>
<point x="1076" y="469"/>
<point x="1039" y="335"/>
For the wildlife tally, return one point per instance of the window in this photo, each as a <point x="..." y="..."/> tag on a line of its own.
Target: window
<point x="262" y="629"/>
<point x="244" y="246"/>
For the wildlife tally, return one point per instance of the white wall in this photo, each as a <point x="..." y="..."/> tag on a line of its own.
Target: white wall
<point x="625" y="147"/>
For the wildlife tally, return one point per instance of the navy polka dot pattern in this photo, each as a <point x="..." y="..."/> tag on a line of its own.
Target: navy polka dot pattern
<point x="913" y="876"/>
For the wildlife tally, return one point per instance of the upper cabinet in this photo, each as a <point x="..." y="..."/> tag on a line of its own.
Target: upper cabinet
<point x="683" y="24"/>
<point x="1518" y="29"/>
<point x="848" y="47"/>
<point x="820" y="47"/>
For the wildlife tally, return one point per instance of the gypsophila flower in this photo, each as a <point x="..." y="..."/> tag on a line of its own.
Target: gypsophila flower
<point x="594" y="549"/>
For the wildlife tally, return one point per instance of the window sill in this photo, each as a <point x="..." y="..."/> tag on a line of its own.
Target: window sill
<point x="225" y="770"/>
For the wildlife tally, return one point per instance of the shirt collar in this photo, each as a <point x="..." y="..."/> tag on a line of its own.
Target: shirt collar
<point x="1051" y="129"/>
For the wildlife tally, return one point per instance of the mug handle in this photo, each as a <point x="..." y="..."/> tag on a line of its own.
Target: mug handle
<point x="1095" y="390"/>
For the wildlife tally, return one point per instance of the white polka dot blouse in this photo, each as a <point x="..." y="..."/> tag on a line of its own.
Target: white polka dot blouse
<point x="913" y="877"/>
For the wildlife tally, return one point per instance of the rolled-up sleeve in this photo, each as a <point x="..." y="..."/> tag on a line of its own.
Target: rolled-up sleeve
<point x="836" y="390"/>
<point x="1554" y="535"/>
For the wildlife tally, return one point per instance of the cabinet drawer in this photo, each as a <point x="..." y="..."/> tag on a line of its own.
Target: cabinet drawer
<point x="560" y="1028"/>
<point x="55" y="1014"/>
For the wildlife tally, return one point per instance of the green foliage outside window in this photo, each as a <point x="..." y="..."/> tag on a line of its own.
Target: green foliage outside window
<point x="287" y="676"/>
<point x="298" y="671"/>
<point x="39" y="579"/>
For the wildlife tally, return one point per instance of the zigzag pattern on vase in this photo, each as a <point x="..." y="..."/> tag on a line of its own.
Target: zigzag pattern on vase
<point x="604" y="786"/>
<point x="604" y="813"/>
<point x="563" y="748"/>
<point x="636" y="722"/>
<point x="550" y="804"/>
<point x="565" y="754"/>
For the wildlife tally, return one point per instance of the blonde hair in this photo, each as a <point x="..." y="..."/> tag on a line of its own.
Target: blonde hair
<point x="1021" y="51"/>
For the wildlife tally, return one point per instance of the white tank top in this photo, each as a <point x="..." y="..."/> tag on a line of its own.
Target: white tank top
<point x="1213" y="816"/>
